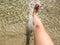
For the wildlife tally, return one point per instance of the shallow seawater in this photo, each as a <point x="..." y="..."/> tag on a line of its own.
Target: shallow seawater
<point x="14" y="15"/>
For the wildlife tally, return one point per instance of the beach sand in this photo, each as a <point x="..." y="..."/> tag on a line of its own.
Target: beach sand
<point x="14" y="17"/>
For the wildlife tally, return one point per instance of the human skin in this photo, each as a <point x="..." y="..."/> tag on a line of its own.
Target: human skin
<point x="41" y="37"/>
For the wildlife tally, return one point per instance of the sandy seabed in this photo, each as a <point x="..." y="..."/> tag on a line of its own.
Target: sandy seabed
<point x="14" y="16"/>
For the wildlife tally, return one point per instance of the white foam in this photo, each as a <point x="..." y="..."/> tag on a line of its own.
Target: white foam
<point x="31" y="7"/>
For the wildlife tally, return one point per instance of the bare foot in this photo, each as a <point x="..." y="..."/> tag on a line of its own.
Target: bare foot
<point x="36" y="8"/>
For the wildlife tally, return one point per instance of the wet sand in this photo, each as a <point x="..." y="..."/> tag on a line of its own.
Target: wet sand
<point x="14" y="17"/>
